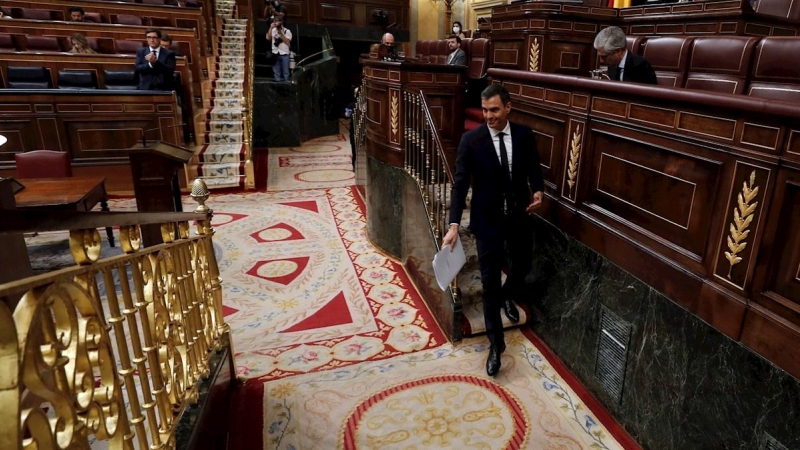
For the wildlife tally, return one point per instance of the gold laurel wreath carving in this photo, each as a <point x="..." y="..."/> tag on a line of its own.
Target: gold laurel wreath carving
<point x="533" y="65"/>
<point x="574" y="157"/>
<point x="742" y="218"/>
<point x="395" y="105"/>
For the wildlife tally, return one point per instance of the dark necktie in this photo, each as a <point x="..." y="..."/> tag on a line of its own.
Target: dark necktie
<point x="509" y="192"/>
<point x="618" y="73"/>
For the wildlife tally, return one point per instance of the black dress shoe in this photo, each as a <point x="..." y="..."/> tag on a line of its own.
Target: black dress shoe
<point x="511" y="311"/>
<point x="493" y="361"/>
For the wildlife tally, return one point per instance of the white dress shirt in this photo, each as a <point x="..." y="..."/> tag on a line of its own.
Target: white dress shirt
<point x="507" y="140"/>
<point x="154" y="50"/>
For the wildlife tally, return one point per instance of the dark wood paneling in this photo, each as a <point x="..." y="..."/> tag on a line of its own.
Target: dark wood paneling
<point x="664" y="184"/>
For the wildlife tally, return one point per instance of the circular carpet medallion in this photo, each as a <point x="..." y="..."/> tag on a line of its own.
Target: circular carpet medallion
<point x="447" y="411"/>
<point x="315" y="176"/>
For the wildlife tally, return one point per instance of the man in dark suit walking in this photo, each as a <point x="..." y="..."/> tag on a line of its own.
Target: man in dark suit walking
<point x="155" y="66"/>
<point x="623" y="65"/>
<point x="500" y="160"/>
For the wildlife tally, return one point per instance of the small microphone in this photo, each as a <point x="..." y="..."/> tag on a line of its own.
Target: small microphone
<point x="144" y="133"/>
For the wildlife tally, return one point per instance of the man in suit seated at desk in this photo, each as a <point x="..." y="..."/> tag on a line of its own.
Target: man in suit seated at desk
<point x="622" y="65"/>
<point x="457" y="57"/>
<point x="155" y="66"/>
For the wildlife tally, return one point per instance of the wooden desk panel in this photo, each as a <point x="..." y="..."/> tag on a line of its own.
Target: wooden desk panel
<point x="670" y="185"/>
<point x="97" y="63"/>
<point x="96" y="130"/>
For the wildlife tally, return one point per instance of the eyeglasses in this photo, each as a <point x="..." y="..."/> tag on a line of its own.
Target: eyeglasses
<point x="153" y="37"/>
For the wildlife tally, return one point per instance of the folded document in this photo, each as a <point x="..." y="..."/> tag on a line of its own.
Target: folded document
<point x="446" y="264"/>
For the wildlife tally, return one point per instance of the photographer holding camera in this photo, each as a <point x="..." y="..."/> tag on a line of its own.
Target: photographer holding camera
<point x="281" y="38"/>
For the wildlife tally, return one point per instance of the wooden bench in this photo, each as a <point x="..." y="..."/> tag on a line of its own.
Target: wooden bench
<point x="97" y="128"/>
<point x="189" y="18"/>
<point x="107" y="34"/>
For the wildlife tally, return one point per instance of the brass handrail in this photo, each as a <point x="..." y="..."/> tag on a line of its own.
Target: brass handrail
<point x="113" y="348"/>
<point x="19" y="221"/>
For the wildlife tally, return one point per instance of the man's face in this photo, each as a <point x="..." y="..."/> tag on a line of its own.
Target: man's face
<point x="278" y="23"/>
<point x="611" y="58"/>
<point x="153" y="40"/>
<point x="165" y="44"/>
<point x="452" y="44"/>
<point x="388" y="41"/>
<point x="76" y="16"/>
<point x="495" y="112"/>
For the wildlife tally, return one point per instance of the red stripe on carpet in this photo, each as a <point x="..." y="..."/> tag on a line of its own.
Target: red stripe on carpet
<point x="614" y="428"/>
<point x="247" y="417"/>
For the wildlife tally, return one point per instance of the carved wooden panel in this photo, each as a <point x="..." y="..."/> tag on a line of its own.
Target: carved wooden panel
<point x="332" y="12"/>
<point x="549" y="134"/>
<point x="99" y="138"/>
<point x="573" y="153"/>
<point x="508" y="54"/>
<point x="667" y="196"/>
<point x="21" y="136"/>
<point x="780" y="285"/>
<point x="743" y="214"/>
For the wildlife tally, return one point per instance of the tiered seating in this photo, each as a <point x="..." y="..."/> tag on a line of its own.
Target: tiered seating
<point x="758" y="67"/>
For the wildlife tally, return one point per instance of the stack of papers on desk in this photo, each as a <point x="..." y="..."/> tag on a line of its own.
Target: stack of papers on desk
<point x="446" y="264"/>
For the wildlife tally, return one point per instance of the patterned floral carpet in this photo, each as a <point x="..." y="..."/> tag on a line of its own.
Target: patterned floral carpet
<point x="336" y="349"/>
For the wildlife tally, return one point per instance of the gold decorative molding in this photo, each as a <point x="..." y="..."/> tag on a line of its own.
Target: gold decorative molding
<point x="574" y="157"/>
<point x="742" y="218"/>
<point x="395" y="120"/>
<point x="533" y="64"/>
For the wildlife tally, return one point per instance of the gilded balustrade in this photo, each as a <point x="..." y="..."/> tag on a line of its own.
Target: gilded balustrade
<point x="111" y="349"/>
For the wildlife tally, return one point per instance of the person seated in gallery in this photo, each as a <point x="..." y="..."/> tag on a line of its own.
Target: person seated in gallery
<point x="458" y="30"/>
<point x="387" y="50"/>
<point x="166" y="42"/>
<point x="622" y="65"/>
<point x="76" y="14"/>
<point x="80" y="46"/>
<point x="457" y="56"/>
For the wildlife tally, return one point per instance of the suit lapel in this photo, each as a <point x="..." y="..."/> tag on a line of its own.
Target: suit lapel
<point x="488" y="146"/>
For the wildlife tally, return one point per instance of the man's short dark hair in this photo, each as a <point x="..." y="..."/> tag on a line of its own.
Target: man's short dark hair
<point x="496" y="89"/>
<point x="153" y="30"/>
<point x="455" y="36"/>
<point x="166" y="38"/>
<point x="73" y="9"/>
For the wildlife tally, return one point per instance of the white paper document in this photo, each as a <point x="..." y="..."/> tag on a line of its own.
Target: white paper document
<point x="446" y="264"/>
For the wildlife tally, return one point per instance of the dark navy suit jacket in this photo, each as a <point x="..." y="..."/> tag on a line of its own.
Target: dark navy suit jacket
<point x="160" y="76"/>
<point x="477" y="161"/>
<point x="637" y="70"/>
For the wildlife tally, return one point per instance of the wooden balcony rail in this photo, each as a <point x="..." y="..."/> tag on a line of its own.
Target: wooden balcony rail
<point x="112" y="349"/>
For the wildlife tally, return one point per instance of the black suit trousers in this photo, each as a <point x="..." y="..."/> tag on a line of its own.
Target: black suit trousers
<point x="513" y="243"/>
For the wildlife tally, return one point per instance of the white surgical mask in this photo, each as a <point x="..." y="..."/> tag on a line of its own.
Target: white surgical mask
<point x="456" y="29"/>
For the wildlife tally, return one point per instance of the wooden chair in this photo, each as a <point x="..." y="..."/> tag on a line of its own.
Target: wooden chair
<point x="43" y="164"/>
<point x="51" y="164"/>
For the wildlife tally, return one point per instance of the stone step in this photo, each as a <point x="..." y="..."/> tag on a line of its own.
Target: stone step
<point x="220" y="153"/>
<point x="224" y="138"/>
<point x="224" y="126"/>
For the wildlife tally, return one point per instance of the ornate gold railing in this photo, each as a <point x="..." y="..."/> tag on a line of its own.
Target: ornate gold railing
<point x="111" y="349"/>
<point x="425" y="160"/>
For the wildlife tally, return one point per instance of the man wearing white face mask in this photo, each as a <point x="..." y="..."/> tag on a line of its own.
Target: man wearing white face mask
<point x="458" y="30"/>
